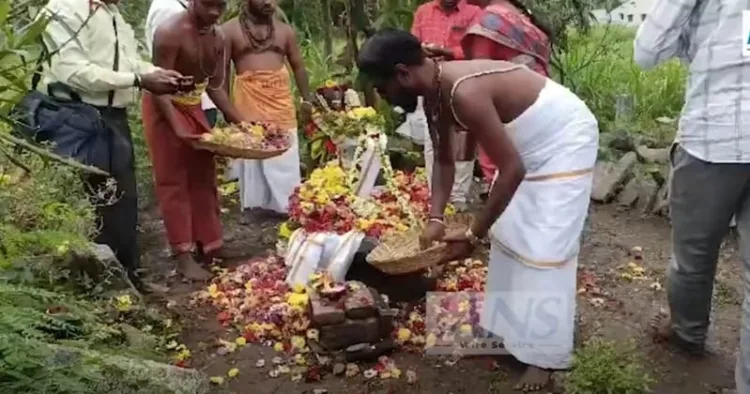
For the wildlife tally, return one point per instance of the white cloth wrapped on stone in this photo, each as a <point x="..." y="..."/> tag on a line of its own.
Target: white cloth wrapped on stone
<point x="308" y="253"/>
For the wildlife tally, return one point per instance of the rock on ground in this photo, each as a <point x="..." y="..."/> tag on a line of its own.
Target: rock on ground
<point x="651" y="155"/>
<point x="608" y="176"/>
<point x="129" y="375"/>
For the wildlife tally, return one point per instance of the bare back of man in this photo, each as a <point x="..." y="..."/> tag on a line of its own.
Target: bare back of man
<point x="511" y="87"/>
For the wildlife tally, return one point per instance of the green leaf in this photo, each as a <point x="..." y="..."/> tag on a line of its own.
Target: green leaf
<point x="4" y="11"/>
<point x="316" y="149"/>
<point x="32" y="33"/>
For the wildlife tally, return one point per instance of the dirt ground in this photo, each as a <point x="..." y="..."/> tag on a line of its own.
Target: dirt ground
<point x="613" y="308"/>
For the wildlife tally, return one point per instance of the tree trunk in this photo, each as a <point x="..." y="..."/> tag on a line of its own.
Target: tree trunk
<point x="327" y="29"/>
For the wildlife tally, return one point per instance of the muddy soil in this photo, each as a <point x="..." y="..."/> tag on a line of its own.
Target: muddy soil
<point x="616" y="309"/>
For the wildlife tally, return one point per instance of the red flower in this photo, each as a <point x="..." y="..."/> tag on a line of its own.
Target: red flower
<point x="223" y="317"/>
<point x="330" y="147"/>
<point x="310" y="129"/>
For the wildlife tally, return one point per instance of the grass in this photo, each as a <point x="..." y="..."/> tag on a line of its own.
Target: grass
<point x="602" y="367"/>
<point x="599" y="66"/>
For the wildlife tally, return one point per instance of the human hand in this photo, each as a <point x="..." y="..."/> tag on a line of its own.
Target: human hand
<point x="432" y="50"/>
<point x="161" y="81"/>
<point x="459" y="245"/>
<point x="434" y="231"/>
<point x="306" y="110"/>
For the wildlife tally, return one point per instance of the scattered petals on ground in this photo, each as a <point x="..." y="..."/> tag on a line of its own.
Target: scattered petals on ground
<point x="254" y="299"/>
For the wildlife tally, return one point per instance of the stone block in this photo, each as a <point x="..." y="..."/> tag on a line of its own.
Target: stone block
<point x="324" y="312"/>
<point x="653" y="155"/>
<point x="647" y="195"/>
<point x="608" y="176"/>
<point x="360" y="303"/>
<point x="350" y="332"/>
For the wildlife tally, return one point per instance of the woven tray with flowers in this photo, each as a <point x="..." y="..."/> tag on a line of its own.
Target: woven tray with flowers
<point x="255" y="141"/>
<point x="401" y="253"/>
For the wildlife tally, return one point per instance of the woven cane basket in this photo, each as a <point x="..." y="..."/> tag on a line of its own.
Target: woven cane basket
<point x="401" y="254"/>
<point x="238" y="153"/>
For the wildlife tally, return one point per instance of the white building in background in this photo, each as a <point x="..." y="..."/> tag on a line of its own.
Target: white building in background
<point x="630" y="13"/>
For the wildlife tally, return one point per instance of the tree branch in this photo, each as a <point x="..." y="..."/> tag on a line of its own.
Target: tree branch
<point x="15" y="160"/>
<point x="51" y="156"/>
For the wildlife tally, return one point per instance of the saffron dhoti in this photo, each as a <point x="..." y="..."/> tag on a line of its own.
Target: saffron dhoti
<point x="184" y="177"/>
<point x="266" y="96"/>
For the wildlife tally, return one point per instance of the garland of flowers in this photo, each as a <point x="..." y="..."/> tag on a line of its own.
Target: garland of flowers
<point x="374" y="137"/>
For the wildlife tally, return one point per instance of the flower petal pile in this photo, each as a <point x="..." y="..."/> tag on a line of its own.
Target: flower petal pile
<point x="260" y="136"/>
<point x="255" y="298"/>
<point x="448" y="320"/>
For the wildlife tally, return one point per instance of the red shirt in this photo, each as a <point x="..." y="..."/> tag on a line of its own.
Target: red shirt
<point x="432" y="24"/>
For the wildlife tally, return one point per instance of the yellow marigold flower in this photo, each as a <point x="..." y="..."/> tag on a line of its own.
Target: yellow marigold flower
<point x="217" y="380"/>
<point x="278" y="346"/>
<point x="403" y="335"/>
<point x="284" y="231"/>
<point x="123" y="303"/>
<point x="430" y="341"/>
<point x="298" y="300"/>
<point x="213" y="290"/>
<point x="298" y="342"/>
<point x="241" y="341"/>
<point x="233" y="372"/>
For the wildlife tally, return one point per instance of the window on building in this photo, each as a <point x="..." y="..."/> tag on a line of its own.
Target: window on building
<point x="630" y="18"/>
<point x="622" y="16"/>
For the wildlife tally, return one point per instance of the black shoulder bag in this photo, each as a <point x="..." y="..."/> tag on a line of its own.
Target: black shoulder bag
<point x="73" y="128"/>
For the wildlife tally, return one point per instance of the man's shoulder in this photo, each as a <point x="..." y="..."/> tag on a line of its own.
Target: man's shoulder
<point x="471" y="9"/>
<point x="425" y="7"/>
<point x="283" y="27"/>
<point x="172" y="29"/>
<point x="68" y="6"/>
<point x="231" y="25"/>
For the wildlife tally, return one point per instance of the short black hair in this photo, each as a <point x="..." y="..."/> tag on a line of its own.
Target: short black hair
<point x="381" y="53"/>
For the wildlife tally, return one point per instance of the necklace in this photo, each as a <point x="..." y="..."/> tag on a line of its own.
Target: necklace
<point x="258" y="43"/>
<point x="215" y="53"/>
<point x="436" y="105"/>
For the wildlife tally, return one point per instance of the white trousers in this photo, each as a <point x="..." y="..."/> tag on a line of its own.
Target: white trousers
<point x="461" y="182"/>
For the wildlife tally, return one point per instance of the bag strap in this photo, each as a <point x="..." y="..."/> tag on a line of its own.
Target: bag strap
<point x="116" y="65"/>
<point x="39" y="70"/>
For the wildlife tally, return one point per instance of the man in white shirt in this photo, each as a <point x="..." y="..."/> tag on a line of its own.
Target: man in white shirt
<point x="710" y="159"/>
<point x="96" y="57"/>
<point x="160" y="11"/>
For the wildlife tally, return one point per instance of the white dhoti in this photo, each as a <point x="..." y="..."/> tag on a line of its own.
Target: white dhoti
<point x="531" y="285"/>
<point x="267" y="184"/>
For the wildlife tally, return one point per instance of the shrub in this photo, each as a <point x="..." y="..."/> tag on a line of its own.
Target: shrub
<point x="601" y="367"/>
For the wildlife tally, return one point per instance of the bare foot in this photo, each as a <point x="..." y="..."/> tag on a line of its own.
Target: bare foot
<point x="660" y="326"/>
<point x="534" y="379"/>
<point x="222" y="254"/>
<point x="191" y="270"/>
